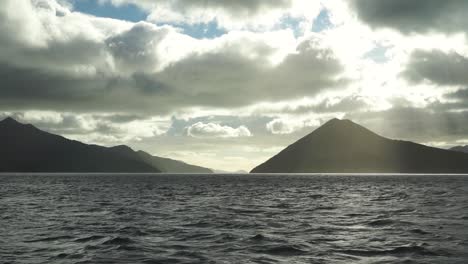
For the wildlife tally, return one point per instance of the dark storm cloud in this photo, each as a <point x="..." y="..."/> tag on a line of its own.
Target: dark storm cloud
<point x="34" y="89"/>
<point x="414" y="16"/>
<point x="85" y="64"/>
<point x="29" y="85"/>
<point x="438" y="67"/>
<point x="222" y="78"/>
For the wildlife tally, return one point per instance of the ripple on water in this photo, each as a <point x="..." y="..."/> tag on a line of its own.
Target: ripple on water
<point x="389" y="222"/>
<point x="49" y="239"/>
<point x="404" y="250"/>
<point x="118" y="241"/>
<point x="419" y="231"/>
<point x="88" y="238"/>
<point x="233" y="219"/>
<point x="284" y="250"/>
<point x="132" y="231"/>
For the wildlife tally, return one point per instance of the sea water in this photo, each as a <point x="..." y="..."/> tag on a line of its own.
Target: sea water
<point x="126" y="218"/>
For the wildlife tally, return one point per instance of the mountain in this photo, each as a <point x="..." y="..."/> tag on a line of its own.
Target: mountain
<point x="341" y="146"/>
<point x="170" y="165"/>
<point x="24" y="148"/>
<point x="163" y="164"/>
<point x="460" y="149"/>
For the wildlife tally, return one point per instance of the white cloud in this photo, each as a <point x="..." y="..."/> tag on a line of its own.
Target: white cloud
<point x="101" y="128"/>
<point x="42" y="117"/>
<point x="239" y="14"/>
<point x="288" y="126"/>
<point x="212" y="130"/>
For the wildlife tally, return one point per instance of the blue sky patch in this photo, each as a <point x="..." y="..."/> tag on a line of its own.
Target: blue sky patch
<point x="291" y="23"/>
<point x="203" y="30"/>
<point x="133" y="13"/>
<point x="322" y="22"/>
<point x="377" y="54"/>
<point x="128" y="12"/>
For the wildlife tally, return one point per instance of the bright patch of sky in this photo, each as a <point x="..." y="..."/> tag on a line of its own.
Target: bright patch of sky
<point x="293" y="24"/>
<point x="322" y="22"/>
<point x="133" y="13"/>
<point x="377" y="54"/>
<point x="204" y="30"/>
<point x="126" y="12"/>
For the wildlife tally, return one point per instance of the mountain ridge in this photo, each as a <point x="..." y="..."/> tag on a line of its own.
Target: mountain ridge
<point x="25" y="148"/>
<point x="342" y="146"/>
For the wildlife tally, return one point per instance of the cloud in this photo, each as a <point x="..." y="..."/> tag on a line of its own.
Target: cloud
<point x="240" y="14"/>
<point x="228" y="78"/>
<point x="136" y="49"/>
<point x="437" y="67"/>
<point x="333" y="104"/>
<point x="234" y="7"/>
<point x="288" y="126"/>
<point x="107" y="129"/>
<point x="212" y="130"/>
<point x="415" y="124"/>
<point x="415" y="16"/>
<point x="46" y="34"/>
<point x="83" y="63"/>
<point x="278" y="126"/>
<point x="461" y="94"/>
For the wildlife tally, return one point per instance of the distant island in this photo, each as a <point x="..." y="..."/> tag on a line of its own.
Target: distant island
<point x="341" y="146"/>
<point x="25" y="148"/>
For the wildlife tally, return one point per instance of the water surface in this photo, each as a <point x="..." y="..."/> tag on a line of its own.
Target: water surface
<point x="233" y="219"/>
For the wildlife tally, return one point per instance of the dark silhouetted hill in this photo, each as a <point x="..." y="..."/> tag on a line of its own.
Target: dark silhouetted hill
<point x="341" y="146"/>
<point x="170" y="165"/>
<point x="463" y="149"/>
<point x="162" y="164"/>
<point x="24" y="148"/>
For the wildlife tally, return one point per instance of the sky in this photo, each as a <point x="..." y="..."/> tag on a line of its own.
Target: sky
<point x="227" y="84"/>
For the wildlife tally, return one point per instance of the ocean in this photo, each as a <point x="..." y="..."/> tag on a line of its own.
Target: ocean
<point x="125" y="218"/>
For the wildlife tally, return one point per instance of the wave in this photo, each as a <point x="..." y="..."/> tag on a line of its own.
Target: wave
<point x="419" y="231"/>
<point x="405" y="250"/>
<point x="285" y="250"/>
<point x="48" y="239"/>
<point x="255" y="220"/>
<point x="118" y="241"/>
<point x="387" y="222"/>
<point x="88" y="238"/>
